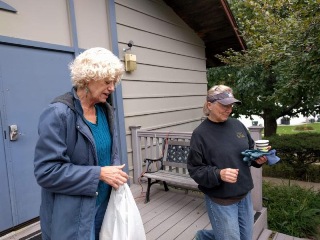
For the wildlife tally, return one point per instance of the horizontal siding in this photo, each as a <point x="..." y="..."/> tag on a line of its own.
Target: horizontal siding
<point x="157" y="42"/>
<point x="163" y="119"/>
<point x="140" y="89"/>
<point x="168" y="88"/>
<point x="170" y="60"/>
<point x="136" y="107"/>
<point x="156" y="9"/>
<point x="140" y="20"/>
<point x="164" y="74"/>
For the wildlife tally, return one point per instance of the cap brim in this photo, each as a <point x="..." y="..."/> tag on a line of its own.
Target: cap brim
<point x="228" y="101"/>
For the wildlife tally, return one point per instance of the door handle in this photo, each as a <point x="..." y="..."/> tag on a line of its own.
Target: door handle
<point x="13" y="132"/>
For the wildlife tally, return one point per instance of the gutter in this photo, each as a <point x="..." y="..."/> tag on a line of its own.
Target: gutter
<point x="233" y="23"/>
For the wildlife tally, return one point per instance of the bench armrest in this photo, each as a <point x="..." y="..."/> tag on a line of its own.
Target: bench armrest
<point x="150" y="161"/>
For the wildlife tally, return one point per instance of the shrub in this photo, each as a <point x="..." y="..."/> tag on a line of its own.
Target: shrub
<point x="287" y="171"/>
<point x="280" y="170"/>
<point x="299" y="151"/>
<point x="313" y="173"/>
<point x="303" y="128"/>
<point x="292" y="210"/>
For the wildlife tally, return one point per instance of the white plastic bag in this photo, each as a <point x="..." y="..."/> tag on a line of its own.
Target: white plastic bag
<point x="122" y="220"/>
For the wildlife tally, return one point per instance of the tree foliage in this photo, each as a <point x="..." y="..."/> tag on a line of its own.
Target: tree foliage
<point x="279" y="73"/>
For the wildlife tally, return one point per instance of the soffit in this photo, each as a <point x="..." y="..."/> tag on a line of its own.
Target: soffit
<point x="214" y="23"/>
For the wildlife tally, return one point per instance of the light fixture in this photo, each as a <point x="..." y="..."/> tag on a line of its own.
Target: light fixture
<point x="130" y="44"/>
<point x="130" y="60"/>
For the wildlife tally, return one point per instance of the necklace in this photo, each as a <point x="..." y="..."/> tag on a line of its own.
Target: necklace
<point x="90" y="114"/>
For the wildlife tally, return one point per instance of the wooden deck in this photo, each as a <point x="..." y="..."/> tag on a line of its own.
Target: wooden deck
<point x="178" y="215"/>
<point x="171" y="215"/>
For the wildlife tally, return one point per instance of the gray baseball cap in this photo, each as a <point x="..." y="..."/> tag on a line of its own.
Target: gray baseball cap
<point x="225" y="98"/>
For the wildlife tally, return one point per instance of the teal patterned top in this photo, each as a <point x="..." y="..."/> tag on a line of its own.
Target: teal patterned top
<point x="103" y="141"/>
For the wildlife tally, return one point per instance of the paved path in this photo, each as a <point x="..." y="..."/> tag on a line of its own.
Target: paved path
<point x="308" y="185"/>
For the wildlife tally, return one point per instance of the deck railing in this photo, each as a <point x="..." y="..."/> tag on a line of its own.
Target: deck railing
<point x="150" y="144"/>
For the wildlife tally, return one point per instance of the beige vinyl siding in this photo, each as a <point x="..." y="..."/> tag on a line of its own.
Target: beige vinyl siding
<point x="161" y="43"/>
<point x="44" y="21"/>
<point x="48" y="21"/>
<point x="145" y="89"/>
<point x="157" y="18"/>
<point x="168" y="89"/>
<point x="169" y="104"/>
<point x="159" y="73"/>
<point x="92" y="23"/>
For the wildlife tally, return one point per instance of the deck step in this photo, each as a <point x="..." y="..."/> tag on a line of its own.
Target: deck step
<point x="268" y="234"/>
<point x="281" y="236"/>
<point x="265" y="235"/>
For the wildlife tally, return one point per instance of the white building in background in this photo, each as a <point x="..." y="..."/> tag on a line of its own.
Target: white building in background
<point x="293" y="121"/>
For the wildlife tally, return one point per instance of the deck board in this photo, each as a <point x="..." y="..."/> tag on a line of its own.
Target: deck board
<point x="170" y="215"/>
<point x="198" y="224"/>
<point x="183" y="224"/>
<point x="164" y="210"/>
<point x="171" y="219"/>
<point x="280" y="236"/>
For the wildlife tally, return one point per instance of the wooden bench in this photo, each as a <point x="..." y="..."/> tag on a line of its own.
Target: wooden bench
<point x="171" y="169"/>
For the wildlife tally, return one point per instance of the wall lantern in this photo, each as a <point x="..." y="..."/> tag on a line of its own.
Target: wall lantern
<point x="130" y="60"/>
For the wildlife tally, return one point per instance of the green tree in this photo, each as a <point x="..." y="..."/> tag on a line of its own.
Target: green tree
<point x="279" y="73"/>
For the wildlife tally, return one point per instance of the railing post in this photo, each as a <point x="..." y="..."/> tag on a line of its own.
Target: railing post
<point x="256" y="193"/>
<point x="136" y="149"/>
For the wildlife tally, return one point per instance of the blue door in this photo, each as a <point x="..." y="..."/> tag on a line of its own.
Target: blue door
<point x="29" y="79"/>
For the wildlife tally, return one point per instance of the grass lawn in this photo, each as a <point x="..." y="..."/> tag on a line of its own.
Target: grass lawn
<point x="291" y="129"/>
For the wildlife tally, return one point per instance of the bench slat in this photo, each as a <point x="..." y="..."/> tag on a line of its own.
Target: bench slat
<point x="174" y="171"/>
<point x="174" y="164"/>
<point x="173" y="178"/>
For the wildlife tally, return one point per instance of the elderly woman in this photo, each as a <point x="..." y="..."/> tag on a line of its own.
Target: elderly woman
<point x="215" y="163"/>
<point x="76" y="157"/>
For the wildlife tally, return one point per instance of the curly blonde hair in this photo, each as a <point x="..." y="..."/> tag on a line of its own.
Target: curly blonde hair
<point x="217" y="89"/>
<point x="95" y="64"/>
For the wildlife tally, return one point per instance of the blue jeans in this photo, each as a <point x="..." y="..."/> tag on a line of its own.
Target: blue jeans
<point x="232" y="222"/>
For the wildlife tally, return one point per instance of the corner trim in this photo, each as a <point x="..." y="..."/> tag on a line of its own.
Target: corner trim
<point x="117" y="99"/>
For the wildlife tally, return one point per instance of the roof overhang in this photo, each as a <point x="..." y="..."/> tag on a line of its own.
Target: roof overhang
<point x="214" y="23"/>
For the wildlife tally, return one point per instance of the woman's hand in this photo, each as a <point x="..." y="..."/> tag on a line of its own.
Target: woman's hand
<point x="114" y="176"/>
<point x="229" y="175"/>
<point x="261" y="160"/>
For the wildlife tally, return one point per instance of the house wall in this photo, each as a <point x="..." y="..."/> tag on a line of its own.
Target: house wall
<point x="36" y="45"/>
<point x="44" y="21"/>
<point x="168" y="88"/>
<point x="50" y="22"/>
<point x="166" y="92"/>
